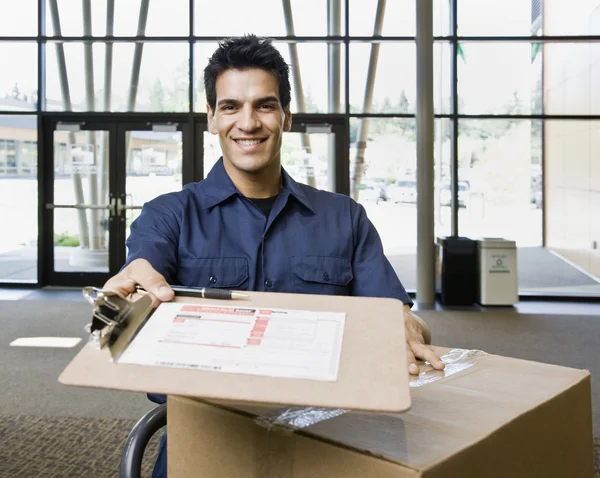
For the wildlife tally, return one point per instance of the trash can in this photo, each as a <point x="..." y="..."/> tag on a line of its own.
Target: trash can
<point x="459" y="273"/>
<point x="498" y="278"/>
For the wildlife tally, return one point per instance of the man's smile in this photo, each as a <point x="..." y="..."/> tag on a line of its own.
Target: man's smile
<point x="249" y="144"/>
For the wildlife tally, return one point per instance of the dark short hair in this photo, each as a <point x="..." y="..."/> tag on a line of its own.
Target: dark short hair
<point x="248" y="51"/>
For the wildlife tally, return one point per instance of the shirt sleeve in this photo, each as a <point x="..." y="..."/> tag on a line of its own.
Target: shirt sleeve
<point x="374" y="276"/>
<point x="154" y="236"/>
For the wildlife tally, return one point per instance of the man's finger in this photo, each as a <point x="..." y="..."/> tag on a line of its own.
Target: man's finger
<point x="413" y="368"/>
<point x="424" y="352"/>
<point x="121" y="284"/>
<point x="142" y="273"/>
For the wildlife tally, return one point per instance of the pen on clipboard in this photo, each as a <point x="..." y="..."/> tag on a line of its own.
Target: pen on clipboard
<point x="203" y="292"/>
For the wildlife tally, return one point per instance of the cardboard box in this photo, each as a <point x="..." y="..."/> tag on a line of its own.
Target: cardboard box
<point x="502" y="417"/>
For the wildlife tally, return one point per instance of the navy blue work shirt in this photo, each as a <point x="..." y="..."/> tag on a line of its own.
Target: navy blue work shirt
<point x="313" y="242"/>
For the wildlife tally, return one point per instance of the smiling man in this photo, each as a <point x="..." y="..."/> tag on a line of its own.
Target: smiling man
<point x="249" y="225"/>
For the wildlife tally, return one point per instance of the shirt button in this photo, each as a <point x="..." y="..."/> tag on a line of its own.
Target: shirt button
<point x="268" y="282"/>
<point x="326" y="276"/>
<point x="212" y="280"/>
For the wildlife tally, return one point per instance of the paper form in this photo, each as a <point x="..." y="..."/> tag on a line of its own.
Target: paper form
<point x="257" y="341"/>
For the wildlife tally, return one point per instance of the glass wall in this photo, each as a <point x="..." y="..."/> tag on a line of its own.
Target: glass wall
<point x="18" y="198"/>
<point x="515" y="102"/>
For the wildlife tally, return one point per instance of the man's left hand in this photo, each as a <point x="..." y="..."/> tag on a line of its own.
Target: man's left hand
<point x="418" y="338"/>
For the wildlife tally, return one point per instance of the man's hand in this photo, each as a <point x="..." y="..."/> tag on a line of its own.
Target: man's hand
<point x="418" y="338"/>
<point x="141" y="272"/>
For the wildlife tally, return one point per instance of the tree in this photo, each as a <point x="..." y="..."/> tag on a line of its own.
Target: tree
<point x="16" y="92"/>
<point x="309" y="102"/>
<point x="404" y="105"/>
<point x="157" y="96"/>
<point x="178" y="97"/>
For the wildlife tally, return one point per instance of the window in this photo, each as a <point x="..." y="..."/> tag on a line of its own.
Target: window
<point x="164" y="18"/>
<point x="162" y="85"/>
<point x="512" y="71"/>
<point x="18" y="198"/>
<point x="18" y="81"/>
<point x="19" y="18"/>
<point x="500" y="173"/>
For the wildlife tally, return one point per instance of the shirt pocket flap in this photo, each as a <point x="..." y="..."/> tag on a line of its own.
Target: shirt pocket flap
<point x="323" y="269"/>
<point x="218" y="271"/>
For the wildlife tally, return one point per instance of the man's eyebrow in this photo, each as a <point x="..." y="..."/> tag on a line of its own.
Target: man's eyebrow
<point x="234" y="102"/>
<point x="227" y="101"/>
<point x="268" y="99"/>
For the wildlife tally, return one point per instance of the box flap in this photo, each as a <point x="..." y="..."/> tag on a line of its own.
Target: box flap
<point x="453" y="414"/>
<point x="372" y="373"/>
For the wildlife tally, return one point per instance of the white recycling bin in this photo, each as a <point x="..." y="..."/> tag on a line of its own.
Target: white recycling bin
<point x="498" y="277"/>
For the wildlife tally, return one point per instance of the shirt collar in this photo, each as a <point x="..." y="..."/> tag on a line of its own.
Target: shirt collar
<point x="219" y="187"/>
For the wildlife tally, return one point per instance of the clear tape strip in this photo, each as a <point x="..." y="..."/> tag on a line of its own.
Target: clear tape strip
<point x="295" y="418"/>
<point x="456" y="360"/>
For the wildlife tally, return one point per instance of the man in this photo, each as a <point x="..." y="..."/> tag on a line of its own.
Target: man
<point x="249" y="225"/>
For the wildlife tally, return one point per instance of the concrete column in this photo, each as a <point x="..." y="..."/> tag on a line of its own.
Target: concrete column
<point x="425" y="159"/>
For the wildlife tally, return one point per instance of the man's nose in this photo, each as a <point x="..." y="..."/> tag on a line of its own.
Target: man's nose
<point x="248" y="120"/>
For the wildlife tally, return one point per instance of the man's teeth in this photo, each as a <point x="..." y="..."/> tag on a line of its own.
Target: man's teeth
<point x="248" y="142"/>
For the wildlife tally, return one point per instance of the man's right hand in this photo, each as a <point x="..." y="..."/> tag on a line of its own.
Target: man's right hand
<point x="140" y="272"/>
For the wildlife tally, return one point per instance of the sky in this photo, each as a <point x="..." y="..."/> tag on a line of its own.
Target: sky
<point x="501" y="67"/>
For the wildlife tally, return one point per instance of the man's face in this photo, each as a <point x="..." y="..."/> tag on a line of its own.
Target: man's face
<point x="249" y="119"/>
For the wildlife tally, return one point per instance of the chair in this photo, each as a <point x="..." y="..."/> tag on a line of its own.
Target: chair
<point x="140" y="435"/>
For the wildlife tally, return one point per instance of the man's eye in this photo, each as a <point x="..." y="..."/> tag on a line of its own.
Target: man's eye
<point x="267" y="106"/>
<point x="227" y="107"/>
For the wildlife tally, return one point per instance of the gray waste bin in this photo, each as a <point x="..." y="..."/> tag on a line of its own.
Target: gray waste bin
<point x="498" y="277"/>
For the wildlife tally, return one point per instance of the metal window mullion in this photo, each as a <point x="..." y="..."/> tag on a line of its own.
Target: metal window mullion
<point x="191" y="170"/>
<point x="454" y="226"/>
<point x="43" y="230"/>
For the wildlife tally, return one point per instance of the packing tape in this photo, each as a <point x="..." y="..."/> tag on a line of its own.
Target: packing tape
<point x="275" y="440"/>
<point x="295" y="418"/>
<point x="455" y="360"/>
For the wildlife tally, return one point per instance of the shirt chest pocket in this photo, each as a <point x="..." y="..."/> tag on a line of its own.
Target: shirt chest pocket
<point x="321" y="274"/>
<point x="217" y="272"/>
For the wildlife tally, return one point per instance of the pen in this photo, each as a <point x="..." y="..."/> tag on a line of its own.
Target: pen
<point x="202" y="292"/>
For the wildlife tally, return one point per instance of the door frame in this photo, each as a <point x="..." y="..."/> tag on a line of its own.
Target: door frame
<point x="193" y="127"/>
<point x="117" y="125"/>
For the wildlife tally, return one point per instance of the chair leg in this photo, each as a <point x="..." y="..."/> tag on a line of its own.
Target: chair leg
<point x="140" y="435"/>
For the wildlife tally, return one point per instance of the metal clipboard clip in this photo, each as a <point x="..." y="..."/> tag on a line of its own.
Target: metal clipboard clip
<point x="116" y="320"/>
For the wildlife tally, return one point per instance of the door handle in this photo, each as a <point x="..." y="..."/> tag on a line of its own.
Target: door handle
<point x="112" y="207"/>
<point x="79" y="206"/>
<point x="121" y="206"/>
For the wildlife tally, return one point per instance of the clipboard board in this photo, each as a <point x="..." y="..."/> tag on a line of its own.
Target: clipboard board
<point x="372" y="374"/>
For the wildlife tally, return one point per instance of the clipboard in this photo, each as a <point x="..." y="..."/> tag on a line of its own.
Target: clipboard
<point x="372" y="376"/>
<point x="115" y="320"/>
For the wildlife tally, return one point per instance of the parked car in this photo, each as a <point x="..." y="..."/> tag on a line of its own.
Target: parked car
<point x="463" y="194"/>
<point x="403" y="190"/>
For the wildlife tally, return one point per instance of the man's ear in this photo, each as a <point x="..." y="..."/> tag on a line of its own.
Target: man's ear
<point x="211" y="119"/>
<point x="287" y="122"/>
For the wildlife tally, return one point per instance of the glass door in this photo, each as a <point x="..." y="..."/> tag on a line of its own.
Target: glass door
<point x="153" y="166"/>
<point x="102" y="174"/>
<point x="80" y="206"/>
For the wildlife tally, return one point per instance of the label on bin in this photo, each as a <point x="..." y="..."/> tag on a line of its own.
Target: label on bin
<point x="499" y="264"/>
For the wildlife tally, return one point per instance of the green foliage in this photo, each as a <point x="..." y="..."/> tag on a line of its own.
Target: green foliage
<point x="66" y="240"/>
